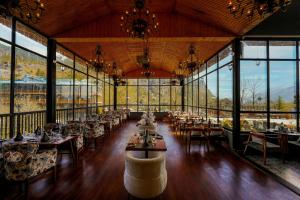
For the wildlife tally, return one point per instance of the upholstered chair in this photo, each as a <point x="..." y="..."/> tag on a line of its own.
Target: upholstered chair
<point x="75" y="128"/>
<point x="23" y="161"/>
<point x="93" y="130"/>
<point x="145" y="178"/>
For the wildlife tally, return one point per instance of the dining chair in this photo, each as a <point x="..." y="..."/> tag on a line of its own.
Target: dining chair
<point x="260" y="142"/>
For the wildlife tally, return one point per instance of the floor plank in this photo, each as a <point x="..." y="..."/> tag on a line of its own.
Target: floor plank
<point x="214" y="174"/>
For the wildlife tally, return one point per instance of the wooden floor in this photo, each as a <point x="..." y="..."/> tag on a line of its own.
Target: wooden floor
<point x="213" y="174"/>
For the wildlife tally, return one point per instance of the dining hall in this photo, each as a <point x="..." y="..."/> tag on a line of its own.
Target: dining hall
<point x="150" y="99"/>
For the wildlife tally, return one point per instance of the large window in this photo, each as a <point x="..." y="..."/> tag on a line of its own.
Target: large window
<point x="5" y="73"/>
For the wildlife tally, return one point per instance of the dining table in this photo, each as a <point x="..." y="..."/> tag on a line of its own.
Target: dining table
<point x="136" y="143"/>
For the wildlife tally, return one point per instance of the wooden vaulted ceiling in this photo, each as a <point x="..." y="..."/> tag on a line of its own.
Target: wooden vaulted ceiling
<point x="81" y="25"/>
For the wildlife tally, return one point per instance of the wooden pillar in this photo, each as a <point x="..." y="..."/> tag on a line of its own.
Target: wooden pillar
<point x="51" y="82"/>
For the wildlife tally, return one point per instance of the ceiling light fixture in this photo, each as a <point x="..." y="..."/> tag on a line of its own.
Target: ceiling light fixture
<point x="139" y="22"/>
<point x="27" y="10"/>
<point x="249" y="8"/>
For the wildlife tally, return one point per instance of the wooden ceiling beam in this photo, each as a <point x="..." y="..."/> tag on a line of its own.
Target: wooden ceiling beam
<point x="154" y="39"/>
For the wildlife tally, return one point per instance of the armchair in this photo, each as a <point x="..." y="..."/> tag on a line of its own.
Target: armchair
<point x="259" y="141"/>
<point x="23" y="161"/>
<point x="93" y="130"/>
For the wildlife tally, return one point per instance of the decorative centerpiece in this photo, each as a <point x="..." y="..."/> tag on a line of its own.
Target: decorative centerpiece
<point x="45" y="137"/>
<point x="18" y="137"/>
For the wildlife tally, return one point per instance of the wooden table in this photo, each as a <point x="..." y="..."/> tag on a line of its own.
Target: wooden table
<point x="159" y="145"/>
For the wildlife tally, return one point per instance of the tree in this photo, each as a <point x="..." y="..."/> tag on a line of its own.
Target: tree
<point x="280" y="103"/>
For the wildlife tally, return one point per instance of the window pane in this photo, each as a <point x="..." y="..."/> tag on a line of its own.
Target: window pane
<point x="176" y="95"/>
<point x="202" y="70"/>
<point x="111" y="93"/>
<point x="153" y="81"/>
<point x="92" y="96"/>
<point x="132" y="81"/>
<point x="283" y="86"/>
<point x="190" y="94"/>
<point x="256" y="121"/>
<point x="212" y="90"/>
<point x="153" y="95"/>
<point x="5" y="72"/>
<point x="64" y="87"/>
<point x="212" y="115"/>
<point x="80" y="65"/>
<point x="80" y="90"/>
<point x="286" y="120"/>
<point x="164" y="95"/>
<point x="253" y="85"/>
<point x="225" y="88"/>
<point x="254" y="49"/>
<point x="5" y="28"/>
<point x="185" y="94"/>
<point x="100" y="93"/>
<point x="132" y="95"/>
<point x="121" y="95"/>
<point x="165" y="82"/>
<point x="143" y="96"/>
<point x="283" y="49"/>
<point x="106" y="94"/>
<point x="63" y="56"/>
<point x="212" y="64"/>
<point x="225" y="56"/>
<point x="92" y="71"/>
<point x="31" y="40"/>
<point x="30" y="84"/>
<point x="202" y="92"/>
<point x="195" y="93"/>
<point x="225" y="119"/>
<point x="143" y="81"/>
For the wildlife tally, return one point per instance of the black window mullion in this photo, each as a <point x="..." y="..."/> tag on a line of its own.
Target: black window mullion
<point x="268" y="84"/>
<point x="12" y="78"/>
<point x="297" y="84"/>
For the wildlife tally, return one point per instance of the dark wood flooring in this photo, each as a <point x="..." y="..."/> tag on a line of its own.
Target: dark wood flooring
<point x="214" y="174"/>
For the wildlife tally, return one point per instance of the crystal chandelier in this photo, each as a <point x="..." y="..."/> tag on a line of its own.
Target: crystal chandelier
<point x="249" y="8"/>
<point x="192" y="63"/>
<point x="27" y="10"/>
<point x="147" y="73"/>
<point x="99" y="62"/>
<point x="139" y="22"/>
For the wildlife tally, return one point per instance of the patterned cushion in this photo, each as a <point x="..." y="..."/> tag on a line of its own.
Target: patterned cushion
<point x="43" y="161"/>
<point x="13" y="156"/>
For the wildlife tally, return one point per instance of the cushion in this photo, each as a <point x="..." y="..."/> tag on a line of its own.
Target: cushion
<point x="13" y="156"/>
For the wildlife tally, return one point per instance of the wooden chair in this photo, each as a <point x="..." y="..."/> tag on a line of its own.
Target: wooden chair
<point x="259" y="141"/>
<point x="199" y="133"/>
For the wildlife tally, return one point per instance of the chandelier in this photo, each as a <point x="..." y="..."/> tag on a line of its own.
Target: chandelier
<point x="180" y="72"/>
<point x="116" y="74"/>
<point x="147" y="73"/>
<point x="144" y="59"/>
<point x="99" y="62"/>
<point x="28" y="10"/>
<point x="249" y="8"/>
<point x="192" y="63"/>
<point x="139" y="22"/>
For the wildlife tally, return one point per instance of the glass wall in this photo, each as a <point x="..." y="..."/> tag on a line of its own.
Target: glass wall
<point x="79" y="89"/>
<point x="149" y="94"/>
<point x="209" y="91"/>
<point x="268" y="85"/>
